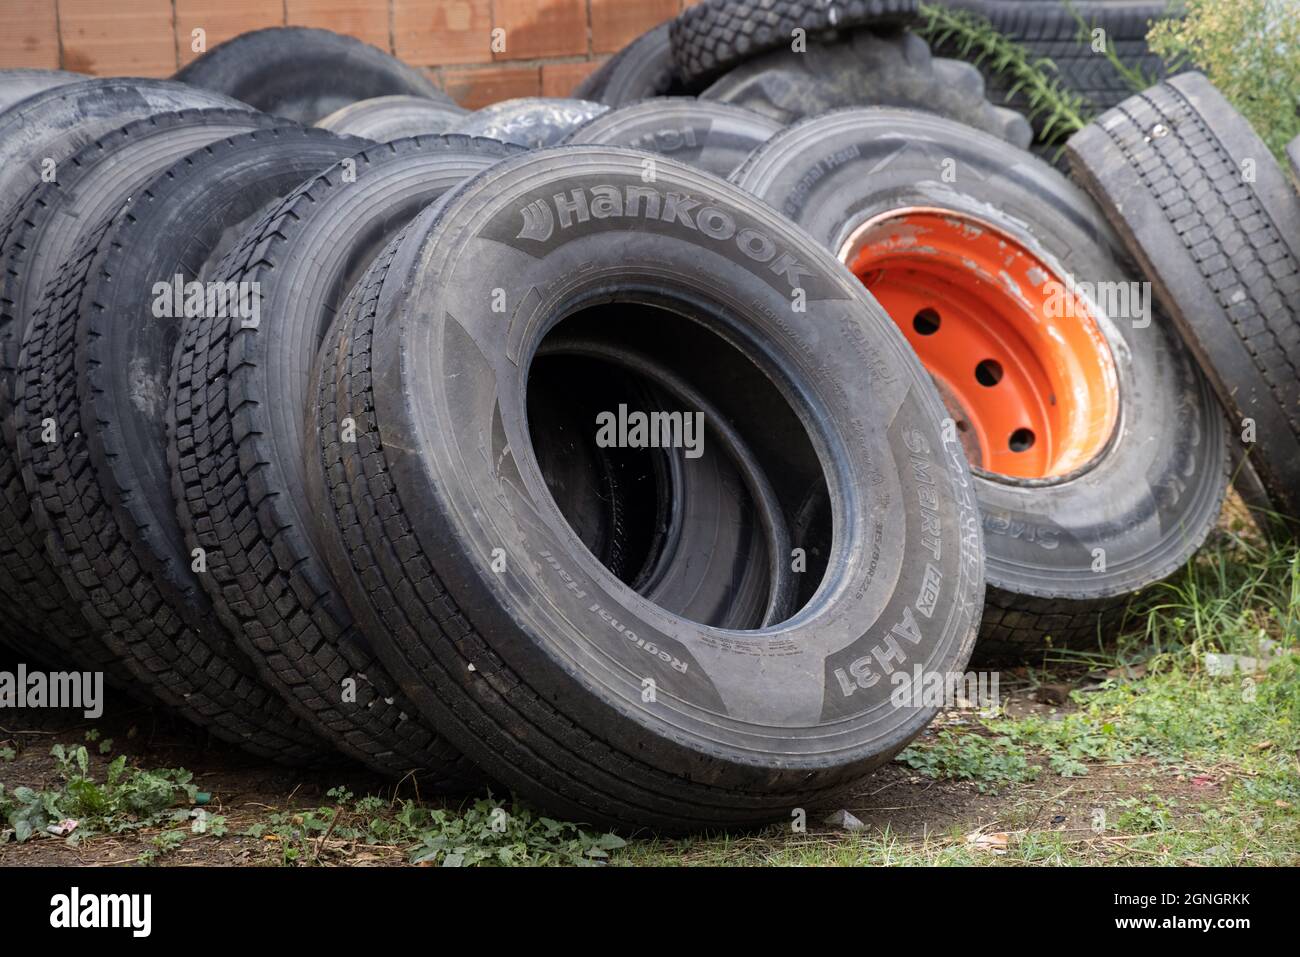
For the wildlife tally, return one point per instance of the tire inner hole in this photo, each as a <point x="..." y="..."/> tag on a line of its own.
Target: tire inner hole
<point x="719" y="529"/>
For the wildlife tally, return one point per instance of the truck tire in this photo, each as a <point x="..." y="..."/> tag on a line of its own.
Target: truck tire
<point x="83" y="483"/>
<point x="1222" y="248"/>
<point x="552" y="674"/>
<point x="48" y="127"/>
<point x="866" y="69"/>
<point x="642" y="69"/>
<point x="714" y="36"/>
<point x="303" y="74"/>
<point x="1049" y="29"/>
<point x="533" y="122"/>
<point x="36" y="241"/>
<point x="715" y="137"/>
<point x="236" y="440"/>
<point x="16" y="85"/>
<point x="1065" y="399"/>
<point x="387" y="118"/>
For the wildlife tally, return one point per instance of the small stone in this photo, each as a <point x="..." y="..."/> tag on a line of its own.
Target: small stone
<point x="844" y="821"/>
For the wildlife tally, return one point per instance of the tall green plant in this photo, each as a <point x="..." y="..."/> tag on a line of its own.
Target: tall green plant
<point x="1250" y="50"/>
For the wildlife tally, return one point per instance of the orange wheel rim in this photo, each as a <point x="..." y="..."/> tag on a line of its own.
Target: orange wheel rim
<point x="1016" y="352"/>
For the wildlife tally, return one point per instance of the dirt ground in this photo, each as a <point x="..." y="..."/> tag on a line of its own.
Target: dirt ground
<point x="896" y="801"/>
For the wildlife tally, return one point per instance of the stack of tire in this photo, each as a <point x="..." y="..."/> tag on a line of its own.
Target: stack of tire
<point x="299" y="421"/>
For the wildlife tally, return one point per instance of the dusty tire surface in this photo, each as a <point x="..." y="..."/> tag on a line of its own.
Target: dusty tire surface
<point x="387" y="118"/>
<point x="1151" y="494"/>
<point x="303" y="74"/>
<point x="237" y="442"/>
<point x="715" y="137"/>
<point x="533" y="122"/>
<point x="865" y="69"/>
<point x="538" y="670"/>
<point x="39" y="236"/>
<point x="1169" y="168"/>
<point x="79" y="482"/>
<point x="642" y="69"/>
<point x="17" y="85"/>
<point x="712" y="37"/>
<point x="50" y="126"/>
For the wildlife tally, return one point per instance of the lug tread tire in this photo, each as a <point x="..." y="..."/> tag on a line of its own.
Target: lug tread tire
<point x="713" y="36"/>
<point x="867" y="69"/>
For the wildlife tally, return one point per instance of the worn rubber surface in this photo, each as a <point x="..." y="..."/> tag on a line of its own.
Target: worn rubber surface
<point x="47" y="127"/>
<point x="538" y="671"/>
<point x="105" y="357"/>
<point x="387" y="118"/>
<point x="36" y="240"/>
<point x="715" y="137"/>
<point x="1206" y="211"/>
<point x="534" y="122"/>
<point x="303" y="74"/>
<point x="1151" y="497"/>
<point x="714" y="36"/>
<point x="866" y="69"/>
<point x="237" y="442"/>
<point x="17" y="85"/>
<point x="68" y="377"/>
<point x="642" y="69"/>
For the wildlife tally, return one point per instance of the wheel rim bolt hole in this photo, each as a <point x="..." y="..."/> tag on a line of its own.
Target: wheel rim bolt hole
<point x="926" y="322"/>
<point x="988" y="373"/>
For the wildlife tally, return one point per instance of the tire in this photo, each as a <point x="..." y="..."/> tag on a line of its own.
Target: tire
<point x="303" y="74"/>
<point x="865" y="69"/>
<point x="138" y="602"/>
<point x="105" y="357"/>
<point x="1222" y="252"/>
<point x="532" y="122"/>
<point x="16" y="85"/>
<point x="1048" y="29"/>
<point x="1130" y="483"/>
<point x="715" y="36"/>
<point x="236" y="443"/>
<point x="54" y="124"/>
<point x="387" y="118"/>
<point x="642" y="69"/>
<point x="36" y="241"/>
<point x="537" y="670"/>
<point x="714" y="137"/>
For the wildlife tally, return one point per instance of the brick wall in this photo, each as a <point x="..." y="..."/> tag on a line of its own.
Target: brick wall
<point x="550" y="45"/>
